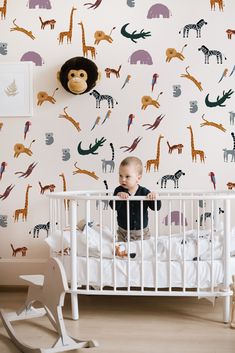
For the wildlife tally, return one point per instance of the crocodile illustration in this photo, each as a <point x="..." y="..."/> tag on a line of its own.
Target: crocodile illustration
<point x="134" y="35"/>
<point x="92" y="149"/>
<point x="219" y="102"/>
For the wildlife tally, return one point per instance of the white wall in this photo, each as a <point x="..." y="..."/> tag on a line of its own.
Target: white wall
<point x="164" y="34"/>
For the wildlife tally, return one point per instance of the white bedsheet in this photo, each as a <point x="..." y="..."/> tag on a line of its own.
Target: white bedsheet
<point x="181" y="273"/>
<point x="180" y="277"/>
<point x="191" y="246"/>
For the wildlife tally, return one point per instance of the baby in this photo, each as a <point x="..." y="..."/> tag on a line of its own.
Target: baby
<point x="130" y="173"/>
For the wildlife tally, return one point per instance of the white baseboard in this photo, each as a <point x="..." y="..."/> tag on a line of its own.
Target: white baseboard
<point x="11" y="269"/>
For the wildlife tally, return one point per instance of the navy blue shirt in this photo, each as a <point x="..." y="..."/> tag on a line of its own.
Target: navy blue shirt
<point x="121" y="208"/>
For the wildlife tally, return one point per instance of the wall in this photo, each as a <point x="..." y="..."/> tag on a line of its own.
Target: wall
<point x="173" y="105"/>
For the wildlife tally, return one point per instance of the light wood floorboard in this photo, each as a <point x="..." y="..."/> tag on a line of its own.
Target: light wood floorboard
<point x="131" y="325"/>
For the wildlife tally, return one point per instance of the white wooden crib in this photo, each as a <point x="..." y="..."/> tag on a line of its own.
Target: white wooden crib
<point x="188" y="253"/>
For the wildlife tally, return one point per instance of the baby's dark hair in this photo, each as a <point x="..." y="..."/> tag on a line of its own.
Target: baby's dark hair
<point x="133" y="160"/>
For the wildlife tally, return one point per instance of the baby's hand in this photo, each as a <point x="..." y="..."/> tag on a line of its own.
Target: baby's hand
<point x="123" y="195"/>
<point x="152" y="196"/>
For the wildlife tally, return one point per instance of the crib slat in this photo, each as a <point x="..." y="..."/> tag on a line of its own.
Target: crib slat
<point x="198" y="247"/>
<point x="61" y="229"/>
<point x="142" y="245"/>
<point x="114" y="230"/>
<point x="128" y="245"/>
<point x="212" y="245"/>
<point x="184" y="240"/>
<point x="156" y="242"/>
<point x="73" y="257"/>
<point x="169" y="260"/>
<point x="101" y="244"/>
<point x="87" y="217"/>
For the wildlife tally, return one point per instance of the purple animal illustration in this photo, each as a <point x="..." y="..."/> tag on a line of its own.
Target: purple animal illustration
<point x="3" y="48"/>
<point x="141" y="56"/>
<point x="32" y="56"/>
<point x="176" y="218"/>
<point x="158" y="10"/>
<point x="42" y="4"/>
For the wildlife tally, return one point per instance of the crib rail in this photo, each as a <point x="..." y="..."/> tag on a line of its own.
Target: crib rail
<point x="88" y="270"/>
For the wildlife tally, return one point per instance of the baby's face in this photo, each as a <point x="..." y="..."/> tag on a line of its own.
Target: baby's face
<point x="129" y="177"/>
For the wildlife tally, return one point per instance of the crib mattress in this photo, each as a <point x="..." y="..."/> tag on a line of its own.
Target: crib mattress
<point x="171" y="270"/>
<point x="115" y="273"/>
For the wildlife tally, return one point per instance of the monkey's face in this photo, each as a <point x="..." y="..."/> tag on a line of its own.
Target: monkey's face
<point x="77" y="81"/>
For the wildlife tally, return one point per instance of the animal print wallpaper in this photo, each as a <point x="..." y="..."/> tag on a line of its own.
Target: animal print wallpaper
<point x="166" y="95"/>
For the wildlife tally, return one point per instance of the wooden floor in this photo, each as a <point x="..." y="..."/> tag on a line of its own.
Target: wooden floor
<point x="131" y="325"/>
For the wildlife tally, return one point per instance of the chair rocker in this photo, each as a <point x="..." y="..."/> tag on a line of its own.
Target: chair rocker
<point x="48" y="289"/>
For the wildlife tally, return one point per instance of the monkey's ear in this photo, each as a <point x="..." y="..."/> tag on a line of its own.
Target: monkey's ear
<point x="58" y="75"/>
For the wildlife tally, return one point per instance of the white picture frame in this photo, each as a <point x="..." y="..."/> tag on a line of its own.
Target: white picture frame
<point x="16" y="89"/>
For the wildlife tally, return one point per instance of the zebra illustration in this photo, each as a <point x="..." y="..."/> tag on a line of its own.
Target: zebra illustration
<point x="174" y="177"/>
<point x="38" y="227"/>
<point x="109" y="162"/>
<point x="197" y="26"/>
<point x="209" y="53"/>
<point x="99" y="97"/>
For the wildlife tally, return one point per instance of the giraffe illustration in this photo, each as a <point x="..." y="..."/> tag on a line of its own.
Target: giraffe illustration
<point x="3" y="10"/>
<point x="193" y="151"/>
<point x="68" y="33"/>
<point x="23" y="211"/>
<point x="66" y="202"/>
<point x="219" y="2"/>
<point x="156" y="161"/>
<point x="86" y="48"/>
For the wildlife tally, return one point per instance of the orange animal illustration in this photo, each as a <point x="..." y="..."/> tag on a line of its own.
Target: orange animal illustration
<point x="178" y="147"/>
<point x="109" y="71"/>
<point x="194" y="152"/>
<point x="75" y="123"/>
<point x="3" y="10"/>
<point x="66" y="202"/>
<point x="68" y="33"/>
<point x="147" y="100"/>
<point x="20" y="148"/>
<point x="21" y="29"/>
<point x="84" y="171"/>
<point x="21" y="250"/>
<point x="220" y="4"/>
<point x="230" y="32"/>
<point x="173" y="53"/>
<point x="212" y="123"/>
<point x="23" y="211"/>
<point x="154" y="162"/>
<point x="50" y="23"/>
<point x="50" y="187"/>
<point x="44" y="97"/>
<point x="86" y="48"/>
<point x="230" y="185"/>
<point x="100" y="35"/>
<point x="193" y="79"/>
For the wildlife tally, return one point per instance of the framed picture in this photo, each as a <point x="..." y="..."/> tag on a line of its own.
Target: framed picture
<point x="16" y="89"/>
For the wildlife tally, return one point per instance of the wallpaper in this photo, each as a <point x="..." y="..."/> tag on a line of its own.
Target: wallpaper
<point x="165" y="94"/>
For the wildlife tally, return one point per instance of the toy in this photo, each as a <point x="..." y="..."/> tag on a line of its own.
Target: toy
<point x="78" y="75"/>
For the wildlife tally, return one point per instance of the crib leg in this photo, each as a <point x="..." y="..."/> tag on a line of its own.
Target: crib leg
<point x="74" y="304"/>
<point x="226" y="309"/>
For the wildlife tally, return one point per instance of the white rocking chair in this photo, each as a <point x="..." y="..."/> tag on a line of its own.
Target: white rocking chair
<point x="49" y="290"/>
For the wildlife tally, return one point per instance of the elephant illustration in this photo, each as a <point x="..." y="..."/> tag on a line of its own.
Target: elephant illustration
<point x="32" y="56"/>
<point x="176" y="218"/>
<point x="141" y="56"/>
<point x="158" y="10"/>
<point x="42" y="4"/>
